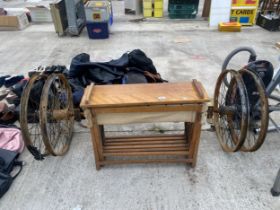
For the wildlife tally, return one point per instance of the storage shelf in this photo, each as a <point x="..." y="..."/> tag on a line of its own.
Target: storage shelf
<point x="139" y="101"/>
<point x="148" y="145"/>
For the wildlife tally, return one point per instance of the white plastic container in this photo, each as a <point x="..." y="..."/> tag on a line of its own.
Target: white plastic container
<point x="98" y="11"/>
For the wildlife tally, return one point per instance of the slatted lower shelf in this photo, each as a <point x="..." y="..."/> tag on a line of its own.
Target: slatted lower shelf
<point x="114" y="162"/>
<point x="168" y="145"/>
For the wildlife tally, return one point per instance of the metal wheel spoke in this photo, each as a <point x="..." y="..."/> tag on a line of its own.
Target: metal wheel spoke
<point x="57" y="130"/>
<point x="258" y="111"/>
<point x="29" y="119"/>
<point x="231" y="117"/>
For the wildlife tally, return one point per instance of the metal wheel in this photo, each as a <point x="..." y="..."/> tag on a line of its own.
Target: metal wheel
<point x="230" y="111"/>
<point x="29" y="116"/>
<point x="258" y="111"/>
<point x="57" y="114"/>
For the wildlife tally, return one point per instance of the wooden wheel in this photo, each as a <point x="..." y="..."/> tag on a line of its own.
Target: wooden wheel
<point x="29" y="116"/>
<point x="57" y="114"/>
<point x="258" y="111"/>
<point x="230" y="111"/>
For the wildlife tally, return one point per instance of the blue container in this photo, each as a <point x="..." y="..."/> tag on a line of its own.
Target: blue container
<point x="98" y="30"/>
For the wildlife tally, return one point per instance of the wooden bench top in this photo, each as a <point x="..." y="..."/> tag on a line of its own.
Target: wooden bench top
<point x="144" y="94"/>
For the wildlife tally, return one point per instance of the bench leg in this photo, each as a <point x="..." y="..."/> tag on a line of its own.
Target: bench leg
<point x="275" y="191"/>
<point x="188" y="132"/>
<point x="97" y="139"/>
<point x="195" y="138"/>
<point x="95" y="150"/>
<point x="102" y="133"/>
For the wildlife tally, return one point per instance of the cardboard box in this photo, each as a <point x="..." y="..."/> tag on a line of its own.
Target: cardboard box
<point x="15" y="21"/>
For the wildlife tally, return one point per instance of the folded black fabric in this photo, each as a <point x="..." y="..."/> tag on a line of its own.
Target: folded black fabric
<point x="138" y="59"/>
<point x="111" y="72"/>
<point x="2" y="79"/>
<point x="10" y="81"/>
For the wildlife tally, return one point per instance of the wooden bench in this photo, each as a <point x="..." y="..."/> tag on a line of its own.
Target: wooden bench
<point x="145" y="103"/>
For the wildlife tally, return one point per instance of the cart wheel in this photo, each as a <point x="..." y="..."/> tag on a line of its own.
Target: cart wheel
<point x="29" y="116"/>
<point x="258" y="111"/>
<point x="230" y="111"/>
<point x="57" y="114"/>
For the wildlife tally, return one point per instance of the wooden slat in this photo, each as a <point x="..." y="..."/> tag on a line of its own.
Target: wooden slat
<point x="144" y="94"/>
<point x="125" y="146"/>
<point x="162" y="150"/>
<point x="114" y="162"/>
<point x="145" y="138"/>
<point x="161" y="153"/>
<point x="144" y="142"/>
<point x="148" y="140"/>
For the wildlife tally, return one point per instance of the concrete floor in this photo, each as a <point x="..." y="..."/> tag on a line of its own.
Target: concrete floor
<point x="181" y="51"/>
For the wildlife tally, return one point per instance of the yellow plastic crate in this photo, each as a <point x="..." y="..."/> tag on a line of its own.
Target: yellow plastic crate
<point x="147" y="4"/>
<point x="158" y="4"/>
<point x="230" y="27"/>
<point x="158" y="12"/>
<point x="147" y="12"/>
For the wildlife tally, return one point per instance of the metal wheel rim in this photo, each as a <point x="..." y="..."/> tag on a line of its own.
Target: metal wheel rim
<point x="35" y="145"/>
<point x="223" y="123"/>
<point x="53" y="142"/>
<point x="263" y="105"/>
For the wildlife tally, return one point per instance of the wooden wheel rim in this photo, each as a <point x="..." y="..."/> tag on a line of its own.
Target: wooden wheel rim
<point x="34" y="143"/>
<point x="263" y="106"/>
<point x="233" y="141"/>
<point x="53" y="140"/>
